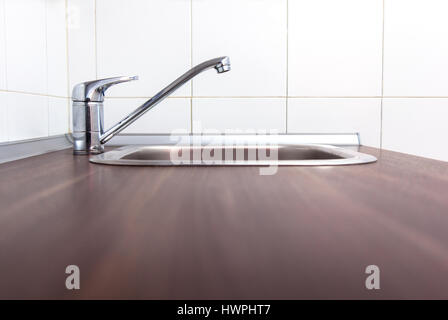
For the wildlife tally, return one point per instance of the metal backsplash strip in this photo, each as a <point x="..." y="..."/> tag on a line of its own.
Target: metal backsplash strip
<point x="10" y="151"/>
<point x="339" y="139"/>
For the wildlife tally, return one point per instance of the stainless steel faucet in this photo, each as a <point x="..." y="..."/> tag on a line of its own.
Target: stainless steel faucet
<point x="88" y="116"/>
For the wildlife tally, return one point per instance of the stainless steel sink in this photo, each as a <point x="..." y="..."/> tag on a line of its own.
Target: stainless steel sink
<point x="233" y="155"/>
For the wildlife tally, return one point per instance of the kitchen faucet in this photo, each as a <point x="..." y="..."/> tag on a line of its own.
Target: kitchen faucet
<point x="89" y="136"/>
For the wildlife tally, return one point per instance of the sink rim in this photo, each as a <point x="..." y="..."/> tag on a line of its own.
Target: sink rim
<point x="349" y="157"/>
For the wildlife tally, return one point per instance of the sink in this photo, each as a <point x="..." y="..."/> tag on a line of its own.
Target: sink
<point x="232" y="155"/>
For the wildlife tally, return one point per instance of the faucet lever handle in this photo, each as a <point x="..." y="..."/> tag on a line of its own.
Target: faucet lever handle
<point x="94" y="90"/>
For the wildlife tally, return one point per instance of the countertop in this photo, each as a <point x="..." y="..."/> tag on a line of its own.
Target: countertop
<point x="223" y="232"/>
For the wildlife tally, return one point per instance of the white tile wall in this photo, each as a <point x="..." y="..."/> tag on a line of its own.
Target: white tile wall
<point x="297" y="65"/>
<point x="56" y="48"/>
<point x="253" y="34"/>
<point x="2" y="46"/>
<point x="335" y="47"/>
<point x="337" y="115"/>
<point x="247" y="115"/>
<point x="57" y="116"/>
<point x="27" y="116"/>
<point x="81" y="41"/>
<point x="146" y="38"/>
<point x="26" y="62"/>
<point x="171" y="114"/>
<point x="416" y="48"/>
<point x="33" y="63"/>
<point x="416" y="126"/>
<point x="3" y="118"/>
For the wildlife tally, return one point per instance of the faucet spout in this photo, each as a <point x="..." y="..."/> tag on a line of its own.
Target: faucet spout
<point x="221" y="64"/>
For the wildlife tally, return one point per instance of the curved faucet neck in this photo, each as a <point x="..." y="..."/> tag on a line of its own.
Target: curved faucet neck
<point x="221" y="64"/>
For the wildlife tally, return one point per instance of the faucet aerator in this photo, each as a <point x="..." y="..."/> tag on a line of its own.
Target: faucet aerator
<point x="223" y="68"/>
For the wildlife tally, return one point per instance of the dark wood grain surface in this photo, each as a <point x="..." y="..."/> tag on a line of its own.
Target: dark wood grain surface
<point x="223" y="232"/>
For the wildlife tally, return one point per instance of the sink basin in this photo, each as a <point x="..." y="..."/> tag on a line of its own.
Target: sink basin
<point x="233" y="155"/>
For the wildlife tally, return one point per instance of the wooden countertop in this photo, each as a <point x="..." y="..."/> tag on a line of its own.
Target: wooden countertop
<point x="223" y="232"/>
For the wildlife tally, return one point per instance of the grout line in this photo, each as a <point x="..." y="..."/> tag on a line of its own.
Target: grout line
<point x="281" y="97"/>
<point x="201" y="97"/>
<point x="95" y="35"/>
<point x="415" y="97"/>
<point x="67" y="59"/>
<point x="382" y="81"/>
<point x="6" y="70"/>
<point x="5" y="44"/>
<point x="46" y="66"/>
<point x="237" y="97"/>
<point x="334" y="97"/>
<point x="34" y="94"/>
<point x="287" y="61"/>
<point x="191" y="65"/>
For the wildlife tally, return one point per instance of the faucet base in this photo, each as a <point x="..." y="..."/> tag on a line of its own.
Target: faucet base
<point x="87" y="143"/>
